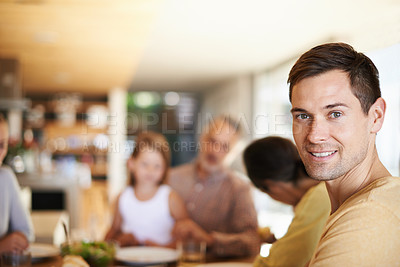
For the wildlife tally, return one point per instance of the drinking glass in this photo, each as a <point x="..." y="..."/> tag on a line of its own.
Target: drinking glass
<point x="191" y="253"/>
<point x="12" y="259"/>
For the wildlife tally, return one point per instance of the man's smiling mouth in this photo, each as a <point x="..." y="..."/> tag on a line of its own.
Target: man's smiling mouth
<point x="322" y="154"/>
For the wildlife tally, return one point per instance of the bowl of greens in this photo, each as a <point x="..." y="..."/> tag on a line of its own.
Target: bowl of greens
<point x="95" y="253"/>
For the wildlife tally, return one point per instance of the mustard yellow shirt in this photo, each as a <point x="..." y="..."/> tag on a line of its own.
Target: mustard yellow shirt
<point x="365" y="230"/>
<point x="304" y="232"/>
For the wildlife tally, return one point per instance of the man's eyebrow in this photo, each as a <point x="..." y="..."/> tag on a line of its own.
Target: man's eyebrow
<point x="331" y="106"/>
<point x="297" y="110"/>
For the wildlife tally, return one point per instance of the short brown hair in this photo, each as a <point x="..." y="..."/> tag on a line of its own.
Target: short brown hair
<point x="363" y="74"/>
<point x="155" y="142"/>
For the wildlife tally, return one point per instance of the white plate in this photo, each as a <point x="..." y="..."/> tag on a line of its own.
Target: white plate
<point x="43" y="251"/>
<point x="146" y="255"/>
<point x="226" y="264"/>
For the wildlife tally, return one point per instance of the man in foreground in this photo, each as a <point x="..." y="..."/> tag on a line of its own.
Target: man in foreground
<point x="337" y="111"/>
<point x="219" y="203"/>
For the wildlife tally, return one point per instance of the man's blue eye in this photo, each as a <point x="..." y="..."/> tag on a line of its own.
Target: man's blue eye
<point x="336" y="114"/>
<point x="302" y="116"/>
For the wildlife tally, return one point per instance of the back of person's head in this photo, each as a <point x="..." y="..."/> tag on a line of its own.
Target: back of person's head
<point x="154" y="142"/>
<point x="362" y="73"/>
<point x="272" y="158"/>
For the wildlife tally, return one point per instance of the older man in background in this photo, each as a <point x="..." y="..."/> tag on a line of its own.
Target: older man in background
<point x="219" y="203"/>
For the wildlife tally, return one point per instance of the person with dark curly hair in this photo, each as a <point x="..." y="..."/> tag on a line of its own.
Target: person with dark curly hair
<point x="274" y="166"/>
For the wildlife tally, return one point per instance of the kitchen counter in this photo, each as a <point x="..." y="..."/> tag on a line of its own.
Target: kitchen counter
<point x="70" y="186"/>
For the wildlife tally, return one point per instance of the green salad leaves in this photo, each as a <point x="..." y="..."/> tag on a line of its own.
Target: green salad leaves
<point x="95" y="253"/>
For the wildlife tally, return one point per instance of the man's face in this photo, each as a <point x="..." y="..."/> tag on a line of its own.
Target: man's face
<point x="3" y="141"/>
<point x="329" y="127"/>
<point x="215" y="145"/>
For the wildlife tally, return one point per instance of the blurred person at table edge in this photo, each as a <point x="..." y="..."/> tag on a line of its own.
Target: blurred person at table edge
<point x="274" y="166"/>
<point x="219" y="203"/>
<point x="16" y="228"/>
<point x="337" y="112"/>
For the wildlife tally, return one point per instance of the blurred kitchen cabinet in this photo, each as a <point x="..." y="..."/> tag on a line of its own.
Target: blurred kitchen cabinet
<point x="78" y="143"/>
<point x="77" y="132"/>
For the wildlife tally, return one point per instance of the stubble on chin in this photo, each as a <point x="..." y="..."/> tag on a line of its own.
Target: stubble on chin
<point x="333" y="170"/>
<point x="324" y="172"/>
<point x="319" y="174"/>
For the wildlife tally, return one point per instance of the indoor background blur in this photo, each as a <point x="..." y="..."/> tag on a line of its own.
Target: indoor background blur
<point x="79" y="79"/>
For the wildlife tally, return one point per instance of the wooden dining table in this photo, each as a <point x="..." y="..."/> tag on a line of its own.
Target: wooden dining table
<point x="57" y="262"/>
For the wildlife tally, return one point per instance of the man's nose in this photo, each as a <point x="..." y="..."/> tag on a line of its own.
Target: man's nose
<point x="318" y="131"/>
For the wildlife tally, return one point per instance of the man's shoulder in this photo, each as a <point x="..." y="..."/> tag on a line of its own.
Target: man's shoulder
<point x="180" y="169"/>
<point x="238" y="180"/>
<point x="370" y="217"/>
<point x="383" y="190"/>
<point x="180" y="172"/>
<point x="389" y="183"/>
<point x="381" y="196"/>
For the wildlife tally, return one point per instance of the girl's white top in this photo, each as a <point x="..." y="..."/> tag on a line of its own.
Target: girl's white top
<point x="147" y="220"/>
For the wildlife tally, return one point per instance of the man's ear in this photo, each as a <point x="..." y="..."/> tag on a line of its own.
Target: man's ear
<point x="377" y="114"/>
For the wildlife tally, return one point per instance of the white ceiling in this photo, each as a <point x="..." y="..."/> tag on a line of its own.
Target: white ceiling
<point x="93" y="45"/>
<point x="195" y="44"/>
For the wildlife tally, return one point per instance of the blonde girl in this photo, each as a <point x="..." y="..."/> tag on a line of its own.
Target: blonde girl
<point x="147" y="210"/>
